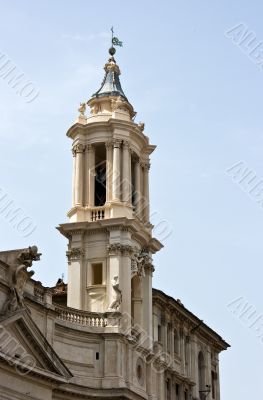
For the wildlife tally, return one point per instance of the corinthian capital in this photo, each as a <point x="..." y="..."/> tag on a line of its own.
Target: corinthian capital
<point x="117" y="143"/>
<point x="145" y="164"/>
<point x="109" y="144"/>
<point x="126" y="144"/>
<point x="89" y="148"/>
<point x="78" y="148"/>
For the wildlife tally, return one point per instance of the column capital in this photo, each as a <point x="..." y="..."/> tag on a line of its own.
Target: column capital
<point x="89" y="148"/>
<point x="109" y="144"/>
<point x="78" y="148"/>
<point x="144" y="164"/>
<point x="126" y="144"/>
<point x="117" y="143"/>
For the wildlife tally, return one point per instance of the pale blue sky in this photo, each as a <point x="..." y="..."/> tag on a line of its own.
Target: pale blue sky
<point x="200" y="98"/>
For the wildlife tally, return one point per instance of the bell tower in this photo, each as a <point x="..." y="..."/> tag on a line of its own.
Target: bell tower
<point x="110" y="243"/>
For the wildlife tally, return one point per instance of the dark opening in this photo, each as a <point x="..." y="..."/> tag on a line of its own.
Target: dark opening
<point x="133" y="183"/>
<point x="100" y="177"/>
<point x="177" y="391"/>
<point x="97" y="355"/>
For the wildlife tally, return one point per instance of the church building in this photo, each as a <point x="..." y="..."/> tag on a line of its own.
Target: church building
<point x="106" y="334"/>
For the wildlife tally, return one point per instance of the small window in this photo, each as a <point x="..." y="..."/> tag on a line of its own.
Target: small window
<point x="97" y="274"/>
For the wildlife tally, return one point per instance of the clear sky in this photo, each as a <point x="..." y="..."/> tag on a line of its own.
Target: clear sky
<point x="199" y="95"/>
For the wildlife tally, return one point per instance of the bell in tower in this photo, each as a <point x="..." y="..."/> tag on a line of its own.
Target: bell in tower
<point x="110" y="243"/>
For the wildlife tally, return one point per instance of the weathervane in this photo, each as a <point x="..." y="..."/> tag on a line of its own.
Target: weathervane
<point x="114" y="42"/>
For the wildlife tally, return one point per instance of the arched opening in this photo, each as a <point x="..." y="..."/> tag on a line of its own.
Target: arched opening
<point x="100" y="175"/>
<point x="201" y="375"/>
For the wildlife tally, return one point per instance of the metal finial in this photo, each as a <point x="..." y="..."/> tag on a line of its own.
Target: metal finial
<point x="114" y="42"/>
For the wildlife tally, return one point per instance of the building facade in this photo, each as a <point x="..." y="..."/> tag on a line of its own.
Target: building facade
<point x="106" y="333"/>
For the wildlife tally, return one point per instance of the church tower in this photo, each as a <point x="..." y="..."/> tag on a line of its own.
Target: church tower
<point x="110" y="243"/>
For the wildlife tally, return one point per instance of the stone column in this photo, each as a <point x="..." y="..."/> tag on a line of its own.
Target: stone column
<point x="73" y="177"/>
<point x="109" y="159"/>
<point x="91" y="173"/>
<point x="86" y="177"/>
<point x="137" y="176"/>
<point x="194" y="365"/>
<point x="116" y="171"/>
<point x="126" y="173"/>
<point x="79" y="168"/>
<point x="208" y="377"/>
<point x="147" y="305"/>
<point x="146" y="209"/>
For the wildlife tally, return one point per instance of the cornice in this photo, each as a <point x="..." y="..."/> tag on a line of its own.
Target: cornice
<point x="183" y="314"/>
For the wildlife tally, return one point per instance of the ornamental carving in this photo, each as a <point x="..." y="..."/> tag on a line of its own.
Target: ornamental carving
<point x="141" y="126"/>
<point x="119" y="104"/>
<point x="89" y="148"/>
<point x="145" y="165"/>
<point x="117" y="143"/>
<point x="126" y="145"/>
<point x="109" y="144"/>
<point x="120" y="249"/>
<point x="94" y="109"/>
<point x="112" y="66"/>
<point x="78" y="148"/>
<point x="75" y="254"/>
<point x="141" y="262"/>
<point x="18" y="275"/>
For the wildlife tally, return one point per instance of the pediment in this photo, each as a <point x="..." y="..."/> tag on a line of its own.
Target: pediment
<point x="23" y="345"/>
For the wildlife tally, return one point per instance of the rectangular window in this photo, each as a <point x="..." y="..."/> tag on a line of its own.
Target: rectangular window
<point x="96" y="270"/>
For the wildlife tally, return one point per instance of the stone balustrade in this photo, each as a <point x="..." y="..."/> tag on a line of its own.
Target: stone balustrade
<point x="97" y="213"/>
<point x="87" y="318"/>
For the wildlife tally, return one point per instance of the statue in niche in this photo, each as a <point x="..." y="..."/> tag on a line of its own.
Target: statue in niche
<point x="115" y="305"/>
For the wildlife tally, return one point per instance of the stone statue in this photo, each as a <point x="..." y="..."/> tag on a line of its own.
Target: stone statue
<point x="94" y="109"/>
<point x="141" y="126"/>
<point x="115" y="305"/>
<point x="18" y="276"/>
<point x="82" y="109"/>
<point x="118" y="104"/>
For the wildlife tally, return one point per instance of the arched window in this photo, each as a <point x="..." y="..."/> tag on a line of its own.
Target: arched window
<point x="201" y="374"/>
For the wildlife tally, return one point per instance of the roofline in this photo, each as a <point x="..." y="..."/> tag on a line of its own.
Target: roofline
<point x="199" y="323"/>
